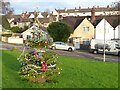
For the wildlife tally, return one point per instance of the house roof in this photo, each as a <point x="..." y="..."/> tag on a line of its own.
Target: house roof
<point x="82" y="10"/>
<point x="113" y="20"/>
<point x="78" y="21"/>
<point x="70" y="20"/>
<point x="13" y="16"/>
<point x="73" y="22"/>
<point x="43" y="20"/>
<point x="34" y="29"/>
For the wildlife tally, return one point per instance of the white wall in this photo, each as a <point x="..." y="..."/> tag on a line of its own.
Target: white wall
<point x="15" y="40"/>
<point x="117" y="32"/>
<point x="0" y="28"/>
<point x="109" y="32"/>
<point x="86" y="13"/>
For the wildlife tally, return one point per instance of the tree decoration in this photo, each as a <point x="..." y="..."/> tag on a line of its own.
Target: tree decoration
<point x="37" y="67"/>
<point x="40" y="65"/>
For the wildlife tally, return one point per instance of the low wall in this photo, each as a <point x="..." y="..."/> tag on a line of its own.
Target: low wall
<point x="15" y="40"/>
<point x="4" y="39"/>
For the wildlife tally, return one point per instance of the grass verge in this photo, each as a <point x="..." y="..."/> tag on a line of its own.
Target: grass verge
<point x="76" y="73"/>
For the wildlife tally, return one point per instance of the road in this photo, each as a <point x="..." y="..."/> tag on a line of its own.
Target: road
<point x="76" y="53"/>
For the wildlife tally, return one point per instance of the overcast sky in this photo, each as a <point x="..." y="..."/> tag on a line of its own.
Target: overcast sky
<point x="43" y="5"/>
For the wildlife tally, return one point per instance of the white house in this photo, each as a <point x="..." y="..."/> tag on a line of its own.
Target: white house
<point x="117" y="32"/>
<point x="86" y="11"/>
<point x="34" y="29"/>
<point x="104" y="28"/>
<point x="40" y="15"/>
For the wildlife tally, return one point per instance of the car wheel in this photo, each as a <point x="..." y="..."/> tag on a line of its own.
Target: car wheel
<point x="95" y="51"/>
<point x="69" y="49"/>
<point x="53" y="48"/>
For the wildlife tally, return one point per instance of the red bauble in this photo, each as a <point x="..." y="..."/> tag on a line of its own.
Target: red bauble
<point x="38" y="44"/>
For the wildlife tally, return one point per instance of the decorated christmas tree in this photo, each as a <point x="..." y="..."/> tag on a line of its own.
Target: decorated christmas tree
<point x="40" y="65"/>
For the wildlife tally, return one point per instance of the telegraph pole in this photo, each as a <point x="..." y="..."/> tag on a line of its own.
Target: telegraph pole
<point x="104" y="36"/>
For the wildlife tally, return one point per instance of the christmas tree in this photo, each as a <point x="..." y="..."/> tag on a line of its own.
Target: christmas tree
<point x="40" y="65"/>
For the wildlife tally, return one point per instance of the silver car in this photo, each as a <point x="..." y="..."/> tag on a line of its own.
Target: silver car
<point x="62" y="46"/>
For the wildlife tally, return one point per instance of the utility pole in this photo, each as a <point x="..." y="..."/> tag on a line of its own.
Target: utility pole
<point x="104" y="35"/>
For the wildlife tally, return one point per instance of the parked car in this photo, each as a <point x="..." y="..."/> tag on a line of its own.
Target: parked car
<point x="62" y="46"/>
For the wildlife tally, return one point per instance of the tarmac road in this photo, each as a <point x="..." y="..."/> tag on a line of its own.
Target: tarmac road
<point x="76" y="53"/>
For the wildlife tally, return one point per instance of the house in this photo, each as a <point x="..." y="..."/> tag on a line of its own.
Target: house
<point x="83" y="33"/>
<point x="103" y="28"/>
<point x="34" y="29"/>
<point x="97" y="26"/>
<point x="114" y="21"/>
<point x="85" y="11"/>
<point x="107" y="24"/>
<point x="117" y="32"/>
<point x="27" y="19"/>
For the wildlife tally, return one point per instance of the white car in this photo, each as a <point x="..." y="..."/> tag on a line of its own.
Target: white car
<point x="62" y="46"/>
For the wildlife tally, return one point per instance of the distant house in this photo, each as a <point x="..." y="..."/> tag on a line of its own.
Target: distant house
<point x="83" y="33"/>
<point x="85" y="11"/>
<point x="27" y="19"/>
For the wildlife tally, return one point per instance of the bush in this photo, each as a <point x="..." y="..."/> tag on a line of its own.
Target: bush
<point x="59" y="31"/>
<point x="18" y="30"/>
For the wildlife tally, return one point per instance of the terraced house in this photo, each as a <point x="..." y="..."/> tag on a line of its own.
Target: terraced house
<point x="27" y="18"/>
<point x="85" y="28"/>
<point x="85" y="11"/>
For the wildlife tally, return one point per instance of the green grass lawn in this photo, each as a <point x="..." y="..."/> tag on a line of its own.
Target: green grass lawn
<point x="76" y="73"/>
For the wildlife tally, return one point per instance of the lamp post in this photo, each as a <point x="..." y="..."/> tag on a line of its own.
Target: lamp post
<point x="104" y="37"/>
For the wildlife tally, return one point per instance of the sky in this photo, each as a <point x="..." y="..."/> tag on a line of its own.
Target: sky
<point x="43" y="5"/>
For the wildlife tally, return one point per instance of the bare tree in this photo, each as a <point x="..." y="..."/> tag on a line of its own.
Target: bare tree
<point x="116" y="5"/>
<point x="5" y="7"/>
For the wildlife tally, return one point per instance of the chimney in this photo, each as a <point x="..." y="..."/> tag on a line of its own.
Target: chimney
<point x="93" y="14"/>
<point x="107" y="6"/>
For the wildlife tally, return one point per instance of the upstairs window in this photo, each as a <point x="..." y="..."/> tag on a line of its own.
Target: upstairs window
<point x="83" y="29"/>
<point x="86" y="29"/>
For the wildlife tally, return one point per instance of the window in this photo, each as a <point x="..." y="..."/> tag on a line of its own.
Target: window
<point x="85" y="29"/>
<point x="88" y="29"/>
<point x="86" y="41"/>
